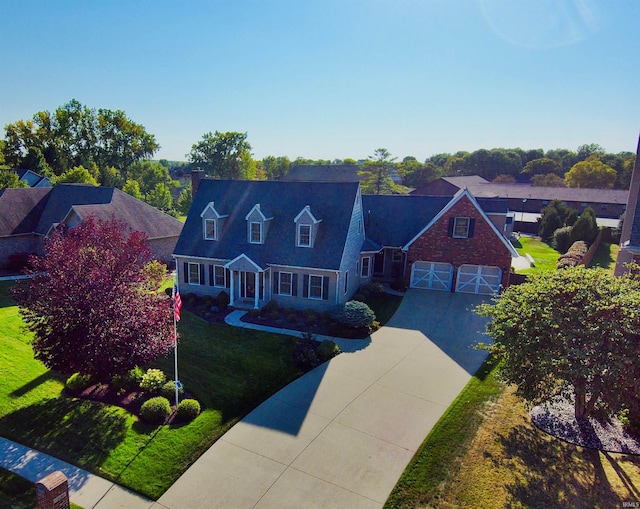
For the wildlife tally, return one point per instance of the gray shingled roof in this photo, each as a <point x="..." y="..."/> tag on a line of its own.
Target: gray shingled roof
<point x="323" y="173"/>
<point x="20" y="209"/>
<point x="332" y="203"/>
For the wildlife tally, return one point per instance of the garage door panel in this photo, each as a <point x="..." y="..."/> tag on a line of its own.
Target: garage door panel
<point x="431" y="276"/>
<point x="479" y="279"/>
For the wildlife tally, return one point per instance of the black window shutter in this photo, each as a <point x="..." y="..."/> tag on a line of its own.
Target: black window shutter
<point x="472" y="224"/>
<point x="305" y="286"/>
<point x="276" y="283"/>
<point x="185" y="276"/>
<point x="325" y="288"/>
<point x="452" y="221"/>
<point x="202" y="280"/>
<point x="211" y="275"/>
<point x="294" y="285"/>
<point x="227" y="275"/>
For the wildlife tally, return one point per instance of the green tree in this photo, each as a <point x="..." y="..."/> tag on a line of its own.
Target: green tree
<point x="275" y="167"/>
<point x="377" y="173"/>
<point x="9" y="178"/>
<point x="573" y="330"/>
<point x="549" y="180"/>
<point x="75" y="135"/>
<point x="149" y="174"/>
<point x="222" y="155"/>
<point x="591" y="173"/>
<point x="76" y="175"/>
<point x="588" y="150"/>
<point x="585" y="228"/>
<point x="542" y="166"/>
<point x="132" y="187"/>
<point x="184" y="201"/>
<point x="554" y="216"/>
<point x="417" y="174"/>
<point x="160" y="197"/>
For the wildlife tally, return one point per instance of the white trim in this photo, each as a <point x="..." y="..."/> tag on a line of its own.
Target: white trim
<point x="210" y="206"/>
<point x="276" y="265"/>
<point x="215" y="229"/>
<point x="368" y="274"/>
<point x="321" y="287"/>
<point x="243" y="256"/>
<point x="251" y="223"/>
<point x="455" y="222"/>
<point x="256" y="207"/>
<point x="290" y="294"/>
<point x="224" y="276"/>
<point x="306" y="209"/>
<point x="299" y="236"/>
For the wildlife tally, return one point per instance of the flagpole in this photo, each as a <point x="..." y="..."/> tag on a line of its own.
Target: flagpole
<point x="175" y="340"/>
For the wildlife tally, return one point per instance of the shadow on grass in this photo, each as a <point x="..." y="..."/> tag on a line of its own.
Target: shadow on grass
<point x="555" y="472"/>
<point x="39" y="380"/>
<point x="79" y="432"/>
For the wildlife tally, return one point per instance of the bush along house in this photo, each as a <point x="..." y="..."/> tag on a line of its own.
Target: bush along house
<point x="313" y="244"/>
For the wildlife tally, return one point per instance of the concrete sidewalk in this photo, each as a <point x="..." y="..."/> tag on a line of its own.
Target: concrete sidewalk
<point x="87" y="490"/>
<point x="341" y="435"/>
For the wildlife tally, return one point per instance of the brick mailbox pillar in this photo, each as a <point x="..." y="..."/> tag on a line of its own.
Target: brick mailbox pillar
<point x="52" y="491"/>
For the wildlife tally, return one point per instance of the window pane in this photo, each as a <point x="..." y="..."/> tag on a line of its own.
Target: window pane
<point x="194" y="274"/>
<point x="210" y="228"/>
<point x="255" y="233"/>
<point x="315" y="287"/>
<point x="285" y="283"/>
<point x="219" y="273"/>
<point x="305" y="235"/>
<point x="461" y="227"/>
<point x="365" y="266"/>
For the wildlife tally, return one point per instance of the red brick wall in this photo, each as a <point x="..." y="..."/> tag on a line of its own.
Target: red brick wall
<point x="484" y="248"/>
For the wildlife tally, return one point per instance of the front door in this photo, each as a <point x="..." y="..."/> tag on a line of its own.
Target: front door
<point x="247" y="285"/>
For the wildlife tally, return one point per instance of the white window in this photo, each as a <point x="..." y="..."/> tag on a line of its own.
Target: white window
<point x="194" y="273"/>
<point x="210" y="229"/>
<point x="255" y="236"/>
<point x="316" y="287"/>
<point x="461" y="228"/>
<point x="219" y="276"/>
<point x="286" y="283"/>
<point x="304" y="235"/>
<point x="366" y="264"/>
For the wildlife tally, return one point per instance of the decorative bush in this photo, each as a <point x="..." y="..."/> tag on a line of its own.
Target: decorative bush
<point x="274" y="315"/>
<point x="327" y="350"/>
<point x="292" y="318"/>
<point x="304" y="355"/>
<point x="169" y="291"/>
<point x="128" y="381"/>
<point x="190" y="299"/>
<point x="311" y="319"/>
<point x="169" y="390"/>
<point x="188" y="410"/>
<point x="573" y="256"/>
<point x="376" y="288"/>
<point x="354" y="314"/>
<point x="155" y="410"/>
<point x="78" y="382"/>
<point x="17" y="262"/>
<point x="270" y="307"/>
<point x="153" y="380"/>
<point x="223" y="300"/>
<point x="562" y="238"/>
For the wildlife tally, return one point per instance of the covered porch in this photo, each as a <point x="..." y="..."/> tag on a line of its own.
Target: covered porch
<point x="249" y="283"/>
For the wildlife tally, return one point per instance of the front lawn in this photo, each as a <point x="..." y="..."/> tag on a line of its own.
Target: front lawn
<point x="230" y="371"/>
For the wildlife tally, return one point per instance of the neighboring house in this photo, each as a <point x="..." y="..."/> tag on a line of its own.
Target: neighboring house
<point x="630" y="235"/>
<point x="32" y="178"/>
<point x="27" y="216"/>
<point x="313" y="244"/>
<point x="526" y="201"/>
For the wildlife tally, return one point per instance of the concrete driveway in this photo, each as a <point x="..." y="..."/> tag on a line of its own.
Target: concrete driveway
<point x="342" y="435"/>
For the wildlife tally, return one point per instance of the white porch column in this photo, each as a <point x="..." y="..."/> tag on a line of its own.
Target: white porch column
<point x="257" y="296"/>
<point x="231" y="289"/>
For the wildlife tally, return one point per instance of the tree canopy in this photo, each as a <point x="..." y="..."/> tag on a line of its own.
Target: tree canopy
<point x="92" y="301"/>
<point x="223" y="155"/>
<point x="591" y="173"/>
<point x="75" y="135"/>
<point x="377" y="173"/>
<point x="574" y="330"/>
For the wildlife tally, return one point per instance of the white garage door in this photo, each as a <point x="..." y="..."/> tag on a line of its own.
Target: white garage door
<point x="432" y="276"/>
<point x="480" y="279"/>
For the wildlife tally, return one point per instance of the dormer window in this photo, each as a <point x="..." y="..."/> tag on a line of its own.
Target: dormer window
<point x="304" y="235"/>
<point x="255" y="235"/>
<point x="210" y="229"/>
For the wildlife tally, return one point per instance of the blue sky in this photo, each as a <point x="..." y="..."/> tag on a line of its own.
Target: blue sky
<point x="335" y="78"/>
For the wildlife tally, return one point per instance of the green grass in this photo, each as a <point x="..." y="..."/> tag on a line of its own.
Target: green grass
<point x="435" y="461"/>
<point x="230" y="371"/>
<point x="384" y="306"/>
<point x="544" y="256"/>
<point x="606" y="256"/>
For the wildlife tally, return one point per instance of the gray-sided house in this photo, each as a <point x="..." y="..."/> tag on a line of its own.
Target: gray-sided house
<point x="27" y="216"/>
<point x="313" y="244"/>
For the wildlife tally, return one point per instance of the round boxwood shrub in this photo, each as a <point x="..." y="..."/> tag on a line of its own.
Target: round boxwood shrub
<point x="128" y="381"/>
<point x="223" y="300"/>
<point x="155" y="410"/>
<point x="78" y="382"/>
<point x="354" y="314"/>
<point x="188" y="410"/>
<point x="169" y="390"/>
<point x="327" y="350"/>
<point x="153" y="380"/>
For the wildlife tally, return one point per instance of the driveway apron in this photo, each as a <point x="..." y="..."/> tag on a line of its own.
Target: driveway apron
<point x="341" y="435"/>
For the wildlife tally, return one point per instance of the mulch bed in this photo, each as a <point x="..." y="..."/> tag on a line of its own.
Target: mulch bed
<point x="556" y="417"/>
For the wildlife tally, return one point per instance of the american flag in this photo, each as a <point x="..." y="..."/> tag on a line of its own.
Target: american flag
<point x="177" y="303"/>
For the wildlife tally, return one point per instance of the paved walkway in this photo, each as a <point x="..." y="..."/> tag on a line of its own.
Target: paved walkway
<point x="342" y="435"/>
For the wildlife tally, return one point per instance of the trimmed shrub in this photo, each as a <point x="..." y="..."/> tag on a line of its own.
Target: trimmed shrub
<point x="152" y="380"/>
<point x="586" y="227"/>
<point x="223" y="300"/>
<point x="169" y="390"/>
<point x="292" y="318"/>
<point x="311" y="319"/>
<point x="188" y="410"/>
<point x="573" y="256"/>
<point x="327" y="350"/>
<point x="169" y="291"/>
<point x="130" y="380"/>
<point x="376" y="288"/>
<point x="274" y="315"/>
<point x="562" y="238"/>
<point x="304" y="354"/>
<point x="270" y="307"/>
<point x="354" y="314"/>
<point x="155" y="410"/>
<point x="78" y="382"/>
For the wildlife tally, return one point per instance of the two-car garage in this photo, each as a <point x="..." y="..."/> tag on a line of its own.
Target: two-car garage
<point x="477" y="279"/>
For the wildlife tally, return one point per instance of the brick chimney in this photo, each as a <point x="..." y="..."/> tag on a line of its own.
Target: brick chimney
<point x="196" y="176"/>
